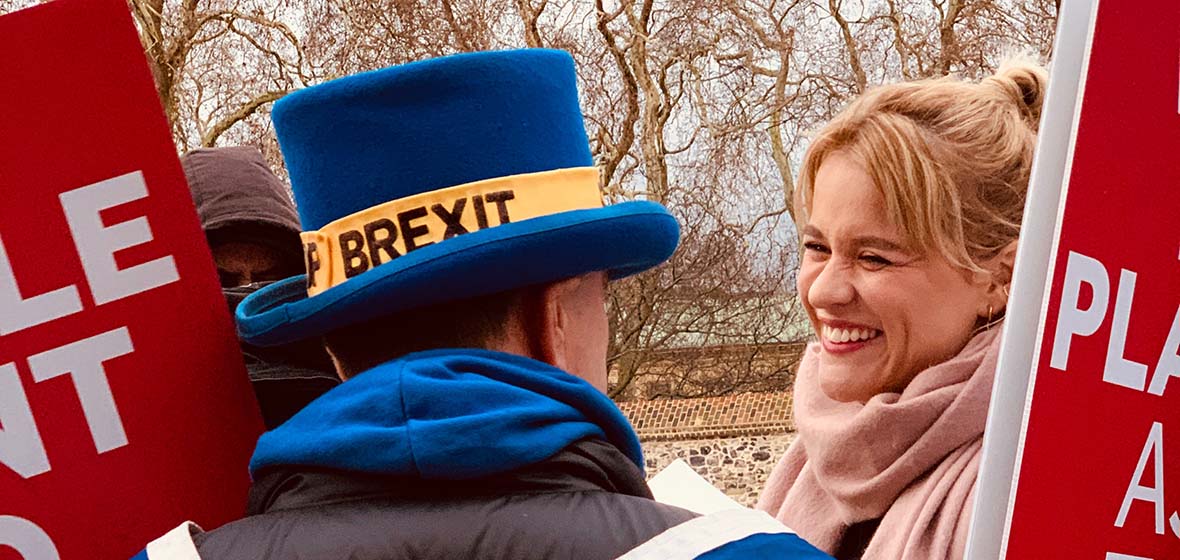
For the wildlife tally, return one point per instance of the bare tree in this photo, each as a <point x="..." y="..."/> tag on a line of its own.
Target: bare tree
<point x="217" y="62"/>
<point x="702" y="105"/>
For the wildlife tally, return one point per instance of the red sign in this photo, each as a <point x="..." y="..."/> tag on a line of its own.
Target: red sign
<point x="124" y="405"/>
<point x="1101" y="435"/>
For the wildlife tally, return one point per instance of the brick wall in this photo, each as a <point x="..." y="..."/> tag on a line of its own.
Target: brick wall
<point x="686" y="372"/>
<point x="746" y="414"/>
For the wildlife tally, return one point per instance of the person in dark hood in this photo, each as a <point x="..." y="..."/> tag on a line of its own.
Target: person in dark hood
<point x="253" y="232"/>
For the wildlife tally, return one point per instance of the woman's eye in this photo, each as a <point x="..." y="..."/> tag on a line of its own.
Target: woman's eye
<point x="875" y="260"/>
<point x="816" y="247"/>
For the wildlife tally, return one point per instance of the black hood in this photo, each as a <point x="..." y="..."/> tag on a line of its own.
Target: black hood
<point x="238" y="198"/>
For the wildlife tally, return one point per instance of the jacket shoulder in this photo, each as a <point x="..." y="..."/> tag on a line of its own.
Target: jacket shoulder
<point x="583" y="525"/>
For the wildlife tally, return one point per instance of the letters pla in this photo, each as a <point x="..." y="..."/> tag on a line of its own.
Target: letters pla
<point x="1146" y="487"/>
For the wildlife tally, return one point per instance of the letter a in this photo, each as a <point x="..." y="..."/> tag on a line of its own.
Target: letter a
<point x="1168" y="365"/>
<point x="1155" y="495"/>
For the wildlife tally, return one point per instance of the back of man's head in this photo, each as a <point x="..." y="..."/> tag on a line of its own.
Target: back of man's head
<point x="561" y="323"/>
<point x="478" y="322"/>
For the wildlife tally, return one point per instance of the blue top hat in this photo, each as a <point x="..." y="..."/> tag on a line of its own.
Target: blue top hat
<point x="441" y="180"/>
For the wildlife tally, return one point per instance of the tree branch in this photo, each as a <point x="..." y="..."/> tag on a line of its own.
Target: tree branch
<point x="858" y="72"/>
<point x="240" y="114"/>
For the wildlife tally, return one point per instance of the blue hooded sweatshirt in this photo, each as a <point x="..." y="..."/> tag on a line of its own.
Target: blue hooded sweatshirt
<point x="458" y="414"/>
<point x="447" y="415"/>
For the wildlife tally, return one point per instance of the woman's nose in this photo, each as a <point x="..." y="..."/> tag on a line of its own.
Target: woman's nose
<point x="832" y="287"/>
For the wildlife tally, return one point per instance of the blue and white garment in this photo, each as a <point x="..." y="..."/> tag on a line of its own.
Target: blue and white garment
<point x="466" y="414"/>
<point x="743" y="534"/>
<point x="738" y="534"/>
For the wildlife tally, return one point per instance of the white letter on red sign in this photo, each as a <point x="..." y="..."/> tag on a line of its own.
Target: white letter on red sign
<point x="1119" y="370"/>
<point x="97" y="244"/>
<point x="30" y="542"/>
<point x="21" y="448"/>
<point x="17" y="313"/>
<point x="1155" y="495"/>
<point x="1169" y="364"/>
<point x="1070" y="319"/>
<point x="83" y="360"/>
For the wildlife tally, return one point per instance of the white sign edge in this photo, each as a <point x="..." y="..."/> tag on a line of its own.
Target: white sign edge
<point x="1032" y="277"/>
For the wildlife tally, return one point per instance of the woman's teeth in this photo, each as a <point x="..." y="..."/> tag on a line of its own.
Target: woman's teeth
<point x="849" y="335"/>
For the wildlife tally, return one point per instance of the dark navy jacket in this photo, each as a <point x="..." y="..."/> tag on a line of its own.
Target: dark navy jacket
<point x="457" y="454"/>
<point x="586" y="502"/>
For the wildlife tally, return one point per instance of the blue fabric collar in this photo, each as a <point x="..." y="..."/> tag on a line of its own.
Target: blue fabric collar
<point x="447" y="414"/>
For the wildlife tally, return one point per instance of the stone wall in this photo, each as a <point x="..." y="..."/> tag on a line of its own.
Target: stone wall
<point x="738" y="465"/>
<point x="733" y="441"/>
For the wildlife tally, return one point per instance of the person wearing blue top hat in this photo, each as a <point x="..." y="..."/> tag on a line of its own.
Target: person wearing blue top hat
<point x="457" y="252"/>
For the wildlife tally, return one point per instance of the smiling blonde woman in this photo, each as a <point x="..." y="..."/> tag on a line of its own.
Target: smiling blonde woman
<point x="910" y="203"/>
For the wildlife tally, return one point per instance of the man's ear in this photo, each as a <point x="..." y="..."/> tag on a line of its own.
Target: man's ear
<point x="549" y="322"/>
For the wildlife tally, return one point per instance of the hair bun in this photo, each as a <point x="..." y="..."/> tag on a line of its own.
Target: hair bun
<point x="1025" y="82"/>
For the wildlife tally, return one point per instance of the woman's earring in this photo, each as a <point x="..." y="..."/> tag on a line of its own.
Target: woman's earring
<point x="990" y="311"/>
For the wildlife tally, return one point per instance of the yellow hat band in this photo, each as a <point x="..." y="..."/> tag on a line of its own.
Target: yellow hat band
<point x="356" y="243"/>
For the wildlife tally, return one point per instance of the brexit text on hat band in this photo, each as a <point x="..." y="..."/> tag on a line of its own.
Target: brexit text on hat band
<point x="360" y="242"/>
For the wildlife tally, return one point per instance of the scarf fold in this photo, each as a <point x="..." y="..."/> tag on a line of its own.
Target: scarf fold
<point x="910" y="459"/>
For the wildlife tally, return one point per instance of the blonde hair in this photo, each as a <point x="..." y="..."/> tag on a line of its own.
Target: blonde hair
<point x="951" y="158"/>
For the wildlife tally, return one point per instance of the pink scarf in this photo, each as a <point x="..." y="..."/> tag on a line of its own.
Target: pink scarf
<point x="910" y="459"/>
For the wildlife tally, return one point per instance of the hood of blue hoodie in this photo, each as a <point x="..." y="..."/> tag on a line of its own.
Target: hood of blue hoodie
<point x="447" y="414"/>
